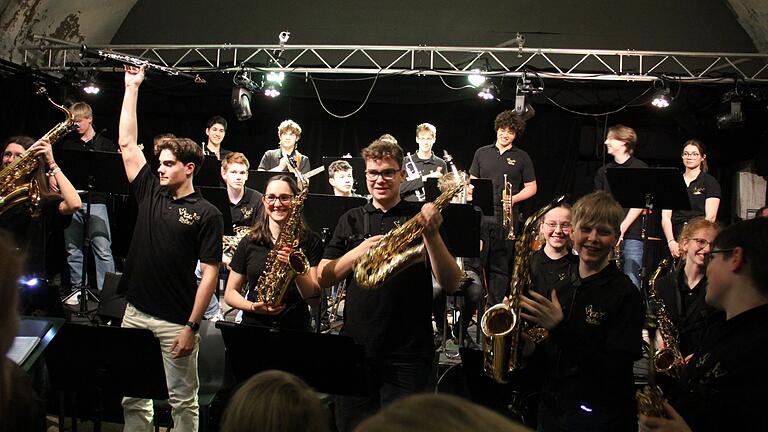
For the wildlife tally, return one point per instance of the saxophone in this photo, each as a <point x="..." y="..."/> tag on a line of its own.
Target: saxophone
<point x="273" y="282"/>
<point x="650" y="400"/>
<point x="23" y="180"/>
<point x="398" y="249"/>
<point x="229" y="243"/>
<point x="501" y="324"/>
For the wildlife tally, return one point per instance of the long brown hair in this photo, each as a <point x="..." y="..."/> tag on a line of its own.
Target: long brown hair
<point x="702" y="151"/>
<point x="260" y="232"/>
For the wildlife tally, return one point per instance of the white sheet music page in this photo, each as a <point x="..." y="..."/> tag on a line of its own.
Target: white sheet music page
<point x="22" y="347"/>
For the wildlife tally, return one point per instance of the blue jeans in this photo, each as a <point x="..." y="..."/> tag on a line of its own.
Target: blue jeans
<point x="632" y="257"/>
<point x="101" y="244"/>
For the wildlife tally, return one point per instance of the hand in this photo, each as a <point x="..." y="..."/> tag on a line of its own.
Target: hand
<point x="430" y="219"/>
<point x="674" y="248"/>
<point x="184" y="343"/>
<point x="674" y="423"/>
<point x="43" y="148"/>
<point x="544" y="312"/>
<point x="284" y="163"/>
<point x="284" y="254"/>
<point x="134" y="76"/>
<point x="264" y="308"/>
<point x="368" y="243"/>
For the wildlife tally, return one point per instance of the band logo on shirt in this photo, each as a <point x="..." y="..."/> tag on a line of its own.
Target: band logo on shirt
<point x="186" y="217"/>
<point x="247" y="212"/>
<point x="698" y="191"/>
<point x="594" y="315"/>
<point x="511" y="161"/>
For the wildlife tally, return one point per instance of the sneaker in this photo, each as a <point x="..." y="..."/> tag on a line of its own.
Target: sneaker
<point x="73" y="299"/>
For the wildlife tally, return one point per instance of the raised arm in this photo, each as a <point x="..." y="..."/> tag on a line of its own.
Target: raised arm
<point x="133" y="157"/>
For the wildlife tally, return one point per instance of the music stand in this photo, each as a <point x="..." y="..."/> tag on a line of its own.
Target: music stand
<point x="358" y="175"/>
<point x="461" y="229"/>
<point x="482" y="195"/>
<point x="209" y="173"/>
<point x="258" y="179"/>
<point x="648" y="188"/>
<point x="103" y="361"/>
<point x="338" y="370"/>
<point x="220" y="199"/>
<point x="92" y="171"/>
<point x="431" y="191"/>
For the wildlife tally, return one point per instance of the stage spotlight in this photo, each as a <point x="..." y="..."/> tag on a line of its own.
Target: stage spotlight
<point x="30" y="282"/>
<point x="241" y="103"/>
<point x="272" y="91"/>
<point x="661" y="99"/>
<point x="476" y="78"/>
<point x="275" y="77"/>
<point x="90" y="87"/>
<point x="487" y="91"/>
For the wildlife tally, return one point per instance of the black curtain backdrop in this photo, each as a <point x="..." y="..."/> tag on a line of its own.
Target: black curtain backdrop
<point x="566" y="148"/>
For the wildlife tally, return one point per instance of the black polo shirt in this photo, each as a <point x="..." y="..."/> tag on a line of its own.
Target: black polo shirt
<point x="425" y="166"/>
<point x="589" y="356"/>
<point x="686" y="308"/>
<point x="549" y="274"/>
<point x="169" y="238"/>
<point x="250" y="259"/>
<point x="245" y="212"/>
<point x="703" y="187"/>
<point x="222" y="152"/>
<point x="514" y="162"/>
<point x="723" y="386"/>
<point x="601" y="183"/>
<point x="395" y="320"/>
<point x="272" y="158"/>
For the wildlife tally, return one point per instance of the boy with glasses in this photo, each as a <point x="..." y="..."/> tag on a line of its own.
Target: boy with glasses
<point x="723" y="385"/>
<point x="553" y="264"/>
<point x="394" y="321"/>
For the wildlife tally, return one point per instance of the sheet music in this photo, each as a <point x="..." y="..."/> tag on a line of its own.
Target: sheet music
<point x="22" y="347"/>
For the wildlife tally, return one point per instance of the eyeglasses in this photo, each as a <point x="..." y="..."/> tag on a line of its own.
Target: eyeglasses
<point x="563" y="226"/>
<point x="285" y="199"/>
<point x="387" y="174"/>
<point x="700" y="242"/>
<point x="694" y="154"/>
<point x="710" y="256"/>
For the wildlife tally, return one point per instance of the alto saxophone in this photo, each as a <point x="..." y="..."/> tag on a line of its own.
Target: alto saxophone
<point x="501" y="324"/>
<point x="669" y="360"/>
<point x="273" y="282"/>
<point x="508" y="220"/>
<point x="23" y="180"/>
<point x="229" y="243"/>
<point x="398" y="249"/>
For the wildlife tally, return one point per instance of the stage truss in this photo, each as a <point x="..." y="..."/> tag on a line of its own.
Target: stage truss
<point x="54" y="56"/>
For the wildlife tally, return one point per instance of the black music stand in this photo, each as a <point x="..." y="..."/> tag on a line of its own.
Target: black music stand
<point x="329" y="363"/>
<point x="431" y="191"/>
<point x="220" y="199"/>
<point x="482" y="195"/>
<point x="104" y="361"/>
<point x="92" y="171"/>
<point x="648" y="188"/>
<point x="258" y="179"/>
<point x="358" y="175"/>
<point x="461" y="229"/>
<point x="210" y="173"/>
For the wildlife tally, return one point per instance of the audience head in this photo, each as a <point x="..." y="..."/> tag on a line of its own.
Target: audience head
<point x="275" y="401"/>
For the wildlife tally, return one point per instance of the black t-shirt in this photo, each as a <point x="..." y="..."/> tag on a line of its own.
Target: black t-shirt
<point x="703" y="187"/>
<point x="272" y="158"/>
<point x="250" y="260"/>
<point x="549" y="274"/>
<point x="686" y="308"/>
<point x="601" y="183"/>
<point x="170" y="236"/>
<point x="723" y="386"/>
<point x="425" y="166"/>
<point x="245" y="212"/>
<point x="589" y="356"/>
<point x="514" y="162"/>
<point x="394" y="320"/>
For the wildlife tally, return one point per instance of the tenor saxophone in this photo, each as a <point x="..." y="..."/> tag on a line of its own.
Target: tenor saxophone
<point x="277" y="276"/>
<point x="398" y="249"/>
<point x="501" y="324"/>
<point x="23" y="180"/>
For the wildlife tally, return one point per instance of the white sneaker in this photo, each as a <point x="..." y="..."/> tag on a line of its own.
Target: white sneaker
<point x="73" y="299"/>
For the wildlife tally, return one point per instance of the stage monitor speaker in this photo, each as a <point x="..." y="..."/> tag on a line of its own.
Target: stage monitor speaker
<point x="112" y="304"/>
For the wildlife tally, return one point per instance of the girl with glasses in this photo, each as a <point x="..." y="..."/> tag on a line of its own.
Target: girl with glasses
<point x="683" y="290"/>
<point x="551" y="265"/>
<point x="249" y="262"/>
<point x="703" y="194"/>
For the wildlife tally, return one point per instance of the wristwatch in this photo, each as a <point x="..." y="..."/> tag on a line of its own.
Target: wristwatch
<point x="193" y="325"/>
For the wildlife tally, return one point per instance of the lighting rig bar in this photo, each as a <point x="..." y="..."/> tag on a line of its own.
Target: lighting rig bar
<point x="54" y="56"/>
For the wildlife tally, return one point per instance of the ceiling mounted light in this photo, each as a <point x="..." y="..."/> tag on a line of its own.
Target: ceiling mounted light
<point x="487" y="91"/>
<point x="661" y="99"/>
<point x="272" y="91"/>
<point x="241" y="102"/>
<point x="275" y="77"/>
<point x="476" y="78"/>
<point x="90" y="87"/>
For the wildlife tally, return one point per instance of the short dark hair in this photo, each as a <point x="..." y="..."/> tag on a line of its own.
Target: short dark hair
<point x="752" y="236"/>
<point x="509" y="119"/>
<point x="22" y="140"/>
<point x="184" y="149"/>
<point x="383" y="149"/>
<point x="216" y="119"/>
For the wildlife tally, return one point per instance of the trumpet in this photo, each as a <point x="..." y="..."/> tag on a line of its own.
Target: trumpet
<point x="86" y="52"/>
<point x="506" y="203"/>
<point x="412" y="173"/>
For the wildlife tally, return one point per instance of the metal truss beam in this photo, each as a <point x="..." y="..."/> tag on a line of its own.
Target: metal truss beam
<point x="603" y="65"/>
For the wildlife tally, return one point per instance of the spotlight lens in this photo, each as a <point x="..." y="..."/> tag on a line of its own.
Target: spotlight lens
<point x="276" y="77"/>
<point x="91" y="89"/>
<point x="272" y="92"/>
<point x="475" y="78"/>
<point x="660" y="102"/>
